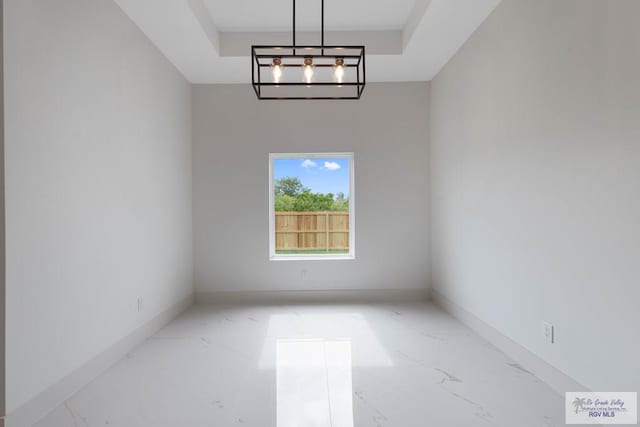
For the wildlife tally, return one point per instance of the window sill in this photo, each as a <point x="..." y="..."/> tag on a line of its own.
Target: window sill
<point x="315" y="257"/>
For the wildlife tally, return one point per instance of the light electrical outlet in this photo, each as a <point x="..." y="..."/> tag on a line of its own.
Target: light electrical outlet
<point x="547" y="330"/>
<point x="140" y="305"/>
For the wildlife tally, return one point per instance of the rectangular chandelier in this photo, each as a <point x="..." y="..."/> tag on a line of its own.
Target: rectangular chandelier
<point x="308" y="72"/>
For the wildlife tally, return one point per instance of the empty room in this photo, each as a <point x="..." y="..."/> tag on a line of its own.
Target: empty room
<point x="319" y="213"/>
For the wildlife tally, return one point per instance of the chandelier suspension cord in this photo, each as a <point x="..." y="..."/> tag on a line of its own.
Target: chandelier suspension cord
<point x="322" y="26"/>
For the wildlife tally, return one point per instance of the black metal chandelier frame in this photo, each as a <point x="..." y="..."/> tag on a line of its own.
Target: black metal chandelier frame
<point x="352" y="58"/>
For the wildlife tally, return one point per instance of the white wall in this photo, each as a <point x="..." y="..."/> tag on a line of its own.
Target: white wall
<point x="535" y="160"/>
<point x="2" y="224"/>
<point x="233" y="134"/>
<point x="98" y="186"/>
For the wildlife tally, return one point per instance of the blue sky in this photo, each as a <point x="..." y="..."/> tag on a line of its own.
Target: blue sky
<point x="321" y="175"/>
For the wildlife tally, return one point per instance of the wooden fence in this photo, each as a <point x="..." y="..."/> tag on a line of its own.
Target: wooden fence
<point x="312" y="231"/>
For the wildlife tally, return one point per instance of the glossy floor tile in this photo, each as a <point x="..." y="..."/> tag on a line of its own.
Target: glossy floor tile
<point x="313" y="366"/>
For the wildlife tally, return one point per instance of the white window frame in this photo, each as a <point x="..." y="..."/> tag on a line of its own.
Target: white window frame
<point x="352" y="209"/>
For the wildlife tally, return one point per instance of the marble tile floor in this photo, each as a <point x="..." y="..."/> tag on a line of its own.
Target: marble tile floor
<point x="395" y="365"/>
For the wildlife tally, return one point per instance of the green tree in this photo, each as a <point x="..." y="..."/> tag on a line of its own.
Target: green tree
<point x="284" y="203"/>
<point x="290" y="186"/>
<point x="308" y="202"/>
<point x="291" y="195"/>
<point x="340" y="204"/>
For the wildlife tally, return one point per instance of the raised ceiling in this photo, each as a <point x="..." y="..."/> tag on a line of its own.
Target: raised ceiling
<point x="275" y="15"/>
<point x="209" y="40"/>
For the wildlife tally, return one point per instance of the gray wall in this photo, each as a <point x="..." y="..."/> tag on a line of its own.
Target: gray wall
<point x="2" y="224"/>
<point x="233" y="134"/>
<point x="535" y="160"/>
<point x="98" y="186"/>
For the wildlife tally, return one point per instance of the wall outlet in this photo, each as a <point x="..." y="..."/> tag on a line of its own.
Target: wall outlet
<point x="140" y="305"/>
<point x="547" y="330"/>
<point x="303" y="275"/>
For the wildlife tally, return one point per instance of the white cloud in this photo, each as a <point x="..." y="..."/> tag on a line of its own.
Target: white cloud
<point x="332" y="166"/>
<point x="309" y="164"/>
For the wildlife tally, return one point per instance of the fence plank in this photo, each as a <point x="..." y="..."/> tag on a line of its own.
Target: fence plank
<point x="326" y="230"/>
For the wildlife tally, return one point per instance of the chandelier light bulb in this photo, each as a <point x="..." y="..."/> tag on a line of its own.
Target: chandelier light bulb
<point x="276" y="70"/>
<point x="338" y="70"/>
<point x="308" y="70"/>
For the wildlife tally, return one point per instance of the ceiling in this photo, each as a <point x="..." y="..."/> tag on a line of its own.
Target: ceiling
<point x="230" y="15"/>
<point x="406" y="40"/>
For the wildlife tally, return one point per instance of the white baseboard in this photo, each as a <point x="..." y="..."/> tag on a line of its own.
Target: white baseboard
<point x="35" y="409"/>
<point x="557" y="380"/>
<point x="313" y="296"/>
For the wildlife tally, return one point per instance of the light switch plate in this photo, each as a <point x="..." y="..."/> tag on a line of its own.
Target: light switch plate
<point x="547" y="329"/>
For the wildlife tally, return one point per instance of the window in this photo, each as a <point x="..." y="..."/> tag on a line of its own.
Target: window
<point x="311" y="206"/>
